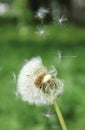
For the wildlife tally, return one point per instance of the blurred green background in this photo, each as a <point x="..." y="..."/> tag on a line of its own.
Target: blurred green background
<point x="20" y="42"/>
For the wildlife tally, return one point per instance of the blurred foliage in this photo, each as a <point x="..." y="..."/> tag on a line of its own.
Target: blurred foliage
<point x="18" y="43"/>
<point x="23" y="10"/>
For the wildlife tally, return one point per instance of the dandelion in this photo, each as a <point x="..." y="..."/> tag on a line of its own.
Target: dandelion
<point x="60" y="20"/>
<point x="41" y="13"/>
<point x="38" y="86"/>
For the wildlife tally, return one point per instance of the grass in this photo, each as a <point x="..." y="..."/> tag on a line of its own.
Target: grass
<point x="15" y="48"/>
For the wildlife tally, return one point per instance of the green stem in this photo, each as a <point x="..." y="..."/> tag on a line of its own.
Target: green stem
<point x="60" y="117"/>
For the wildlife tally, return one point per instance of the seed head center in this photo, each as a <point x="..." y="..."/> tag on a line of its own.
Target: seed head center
<point x="46" y="78"/>
<point x="44" y="81"/>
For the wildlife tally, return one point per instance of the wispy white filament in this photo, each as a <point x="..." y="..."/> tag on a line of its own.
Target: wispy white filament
<point x="27" y="88"/>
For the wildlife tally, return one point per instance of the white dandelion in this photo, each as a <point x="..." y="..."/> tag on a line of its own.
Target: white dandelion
<point x="41" y="13"/>
<point x="37" y="85"/>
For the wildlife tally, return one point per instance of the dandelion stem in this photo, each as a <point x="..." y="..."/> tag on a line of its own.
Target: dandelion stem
<point x="60" y="117"/>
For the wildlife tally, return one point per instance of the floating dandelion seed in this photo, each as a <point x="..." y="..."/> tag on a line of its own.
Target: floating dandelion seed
<point x="37" y="85"/>
<point x="60" y="20"/>
<point x="41" y="13"/>
<point x="59" y="56"/>
<point x="48" y="114"/>
<point x="41" y="31"/>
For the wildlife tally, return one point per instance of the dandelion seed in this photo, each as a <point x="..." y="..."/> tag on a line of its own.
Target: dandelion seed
<point x="41" y="13"/>
<point x="60" y="20"/>
<point x="37" y="85"/>
<point x="41" y="31"/>
<point x="26" y="60"/>
<point x="58" y="55"/>
<point x="47" y="115"/>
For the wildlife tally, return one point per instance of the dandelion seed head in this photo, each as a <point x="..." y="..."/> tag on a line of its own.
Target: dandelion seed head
<point x="36" y="85"/>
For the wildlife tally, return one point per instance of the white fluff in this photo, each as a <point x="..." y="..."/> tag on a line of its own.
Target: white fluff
<point x="27" y="89"/>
